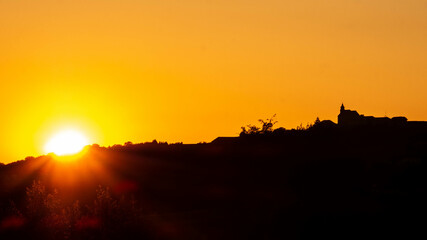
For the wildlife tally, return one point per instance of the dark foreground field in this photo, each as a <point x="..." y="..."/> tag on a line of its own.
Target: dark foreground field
<point x="309" y="184"/>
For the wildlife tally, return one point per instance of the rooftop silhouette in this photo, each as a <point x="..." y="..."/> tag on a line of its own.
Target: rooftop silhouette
<point x="353" y="118"/>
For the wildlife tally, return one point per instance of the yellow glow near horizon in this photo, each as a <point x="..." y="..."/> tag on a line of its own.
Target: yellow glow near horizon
<point x="66" y="142"/>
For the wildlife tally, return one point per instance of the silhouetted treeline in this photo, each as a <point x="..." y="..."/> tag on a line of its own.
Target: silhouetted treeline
<point x="321" y="182"/>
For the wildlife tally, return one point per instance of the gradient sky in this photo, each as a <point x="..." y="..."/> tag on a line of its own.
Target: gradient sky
<point x="192" y="70"/>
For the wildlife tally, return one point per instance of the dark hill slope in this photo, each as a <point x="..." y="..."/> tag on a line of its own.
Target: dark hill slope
<point x="335" y="183"/>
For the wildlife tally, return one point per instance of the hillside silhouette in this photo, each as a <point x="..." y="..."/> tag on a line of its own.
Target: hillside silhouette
<point x="358" y="179"/>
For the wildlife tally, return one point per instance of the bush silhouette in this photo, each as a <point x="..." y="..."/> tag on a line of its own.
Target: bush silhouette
<point x="47" y="217"/>
<point x="266" y="127"/>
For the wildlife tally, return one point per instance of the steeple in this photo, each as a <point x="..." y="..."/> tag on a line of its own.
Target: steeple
<point x="342" y="107"/>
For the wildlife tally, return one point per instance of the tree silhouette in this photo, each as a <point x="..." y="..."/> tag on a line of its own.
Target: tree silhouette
<point x="266" y="127"/>
<point x="317" y="121"/>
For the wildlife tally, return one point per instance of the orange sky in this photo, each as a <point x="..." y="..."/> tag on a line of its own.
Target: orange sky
<point x="138" y="70"/>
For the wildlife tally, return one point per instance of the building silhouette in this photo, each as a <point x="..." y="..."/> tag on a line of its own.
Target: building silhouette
<point x="353" y="118"/>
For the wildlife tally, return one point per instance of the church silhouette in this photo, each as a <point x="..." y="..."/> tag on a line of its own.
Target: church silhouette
<point x="353" y="118"/>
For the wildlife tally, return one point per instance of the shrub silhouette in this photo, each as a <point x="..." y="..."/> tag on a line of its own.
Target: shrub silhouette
<point x="107" y="217"/>
<point x="266" y="127"/>
<point x="36" y="200"/>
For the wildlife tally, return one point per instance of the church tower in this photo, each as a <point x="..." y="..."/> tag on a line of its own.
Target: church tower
<point x="342" y="108"/>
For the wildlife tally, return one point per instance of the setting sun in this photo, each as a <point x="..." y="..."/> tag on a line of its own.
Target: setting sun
<point x="66" y="142"/>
